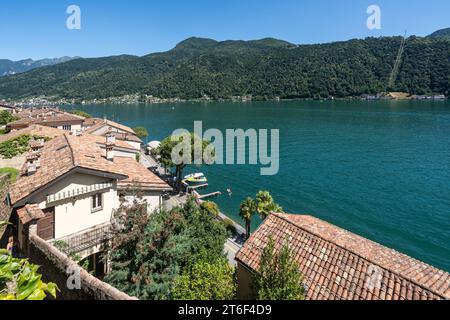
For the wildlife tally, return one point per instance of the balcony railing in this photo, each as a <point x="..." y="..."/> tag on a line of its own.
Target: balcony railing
<point x="79" y="191"/>
<point x="87" y="238"/>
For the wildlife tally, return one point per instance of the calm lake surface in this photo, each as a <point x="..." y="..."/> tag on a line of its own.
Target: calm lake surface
<point x="379" y="169"/>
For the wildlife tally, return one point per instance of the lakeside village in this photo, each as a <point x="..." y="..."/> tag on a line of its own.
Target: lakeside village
<point x="149" y="99"/>
<point x="98" y="211"/>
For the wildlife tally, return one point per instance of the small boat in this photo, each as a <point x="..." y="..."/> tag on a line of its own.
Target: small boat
<point x="195" y="178"/>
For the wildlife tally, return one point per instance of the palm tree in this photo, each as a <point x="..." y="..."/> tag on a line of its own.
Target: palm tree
<point x="246" y="211"/>
<point x="263" y="202"/>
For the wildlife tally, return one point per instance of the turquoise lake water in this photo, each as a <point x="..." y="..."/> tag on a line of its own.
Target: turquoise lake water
<point x="380" y="169"/>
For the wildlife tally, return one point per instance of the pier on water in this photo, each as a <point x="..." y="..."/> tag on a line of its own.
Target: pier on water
<point x="194" y="191"/>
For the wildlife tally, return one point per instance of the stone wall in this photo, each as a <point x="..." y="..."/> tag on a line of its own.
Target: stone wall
<point x="5" y="209"/>
<point x="54" y="266"/>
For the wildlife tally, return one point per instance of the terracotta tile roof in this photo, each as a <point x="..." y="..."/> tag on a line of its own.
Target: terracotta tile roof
<point x="127" y="137"/>
<point x="34" y="130"/>
<point x="95" y="124"/>
<point x="58" y="157"/>
<point x="44" y="117"/>
<point x="7" y="106"/>
<point x="139" y="176"/>
<point x="66" y="152"/>
<point x="102" y="140"/>
<point x="338" y="264"/>
<point x="89" y="122"/>
<point x="30" y="212"/>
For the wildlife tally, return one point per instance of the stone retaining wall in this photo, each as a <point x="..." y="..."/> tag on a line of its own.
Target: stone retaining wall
<point x="5" y="209"/>
<point x="55" y="266"/>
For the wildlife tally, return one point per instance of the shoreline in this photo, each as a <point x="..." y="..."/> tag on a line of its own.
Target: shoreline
<point x="130" y="100"/>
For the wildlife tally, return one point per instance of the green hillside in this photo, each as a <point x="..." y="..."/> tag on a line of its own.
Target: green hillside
<point x="264" y="68"/>
<point x="441" y="34"/>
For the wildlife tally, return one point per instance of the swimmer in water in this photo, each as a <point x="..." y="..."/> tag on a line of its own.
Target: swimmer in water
<point x="230" y="193"/>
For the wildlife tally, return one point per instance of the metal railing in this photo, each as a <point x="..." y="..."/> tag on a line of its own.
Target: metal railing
<point x="79" y="191"/>
<point x="88" y="238"/>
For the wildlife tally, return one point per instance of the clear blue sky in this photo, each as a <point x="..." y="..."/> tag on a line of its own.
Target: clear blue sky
<point x="37" y="29"/>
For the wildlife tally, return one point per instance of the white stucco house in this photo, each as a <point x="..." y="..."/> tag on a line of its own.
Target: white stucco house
<point x="49" y="117"/>
<point x="72" y="186"/>
<point x="102" y="127"/>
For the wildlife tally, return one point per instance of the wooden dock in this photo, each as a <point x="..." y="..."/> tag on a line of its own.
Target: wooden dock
<point x="197" y="187"/>
<point x="209" y="195"/>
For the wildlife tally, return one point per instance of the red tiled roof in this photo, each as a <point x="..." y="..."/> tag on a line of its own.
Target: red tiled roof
<point x="102" y="140"/>
<point x="34" y="130"/>
<point x="127" y="137"/>
<point x="139" y="176"/>
<point x="30" y="212"/>
<point x="58" y="157"/>
<point x="95" y="124"/>
<point x="66" y="152"/>
<point x="44" y="116"/>
<point x="338" y="264"/>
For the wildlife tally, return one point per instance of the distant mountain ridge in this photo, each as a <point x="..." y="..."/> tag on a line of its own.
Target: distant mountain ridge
<point x="8" y="67"/>
<point x="441" y="34"/>
<point x="265" y="69"/>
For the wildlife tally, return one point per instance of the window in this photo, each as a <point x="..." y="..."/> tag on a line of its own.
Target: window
<point x="97" y="202"/>
<point x="67" y="127"/>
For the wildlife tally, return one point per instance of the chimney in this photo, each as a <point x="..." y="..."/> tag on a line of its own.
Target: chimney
<point x="31" y="164"/>
<point x="110" y="144"/>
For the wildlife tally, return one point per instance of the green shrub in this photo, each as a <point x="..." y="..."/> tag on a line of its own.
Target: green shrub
<point x="17" y="146"/>
<point x="141" y="132"/>
<point x="19" y="280"/>
<point x="81" y="113"/>
<point x="206" y="280"/>
<point x="13" y="173"/>
<point x="229" y="225"/>
<point x="211" y="208"/>
<point x="6" y="117"/>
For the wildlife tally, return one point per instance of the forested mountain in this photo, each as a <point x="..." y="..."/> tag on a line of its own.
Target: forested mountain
<point x="441" y="34"/>
<point x="8" y="67"/>
<point x="265" y="68"/>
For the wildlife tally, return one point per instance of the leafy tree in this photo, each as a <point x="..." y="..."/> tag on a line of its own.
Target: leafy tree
<point x="81" y="114"/>
<point x="278" y="276"/>
<point x="206" y="280"/>
<point x="246" y="212"/>
<point x="210" y="207"/>
<point x="205" y="232"/>
<point x="19" y="280"/>
<point x="149" y="252"/>
<point x="6" y="117"/>
<point x="176" y="145"/>
<point x="141" y="132"/>
<point x="230" y="226"/>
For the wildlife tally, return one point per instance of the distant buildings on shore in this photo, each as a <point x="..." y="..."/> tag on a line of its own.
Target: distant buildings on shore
<point x="401" y="96"/>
